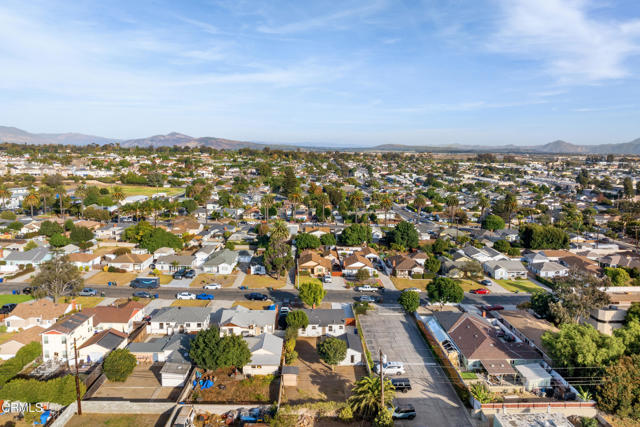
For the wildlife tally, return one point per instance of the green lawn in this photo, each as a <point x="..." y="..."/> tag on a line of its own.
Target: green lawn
<point x="468" y="285"/>
<point x="468" y="375"/>
<point x="402" y="283"/>
<point x="520" y="285"/>
<point x="9" y="298"/>
<point x="143" y="190"/>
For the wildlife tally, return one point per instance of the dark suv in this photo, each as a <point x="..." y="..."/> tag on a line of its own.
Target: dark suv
<point x="401" y="384"/>
<point x="178" y="275"/>
<point x="7" y="308"/>
<point x="145" y="283"/>
<point x="190" y="274"/>
<point x="404" y="411"/>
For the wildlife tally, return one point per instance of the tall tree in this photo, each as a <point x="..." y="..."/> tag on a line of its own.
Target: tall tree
<point x="31" y="201"/>
<point x="312" y="293"/>
<point x="5" y="194"/>
<point x="117" y="194"/>
<point x="619" y="392"/>
<point x="357" y="201"/>
<point x="386" y="203"/>
<point x="365" y="396"/>
<point x="452" y="203"/>
<point x="444" y="290"/>
<point x="332" y="351"/>
<point x="57" y="277"/>
<point x="484" y="204"/>
<point x="420" y="202"/>
<point x="211" y="351"/>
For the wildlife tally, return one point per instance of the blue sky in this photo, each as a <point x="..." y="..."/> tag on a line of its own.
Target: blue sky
<point x="326" y="72"/>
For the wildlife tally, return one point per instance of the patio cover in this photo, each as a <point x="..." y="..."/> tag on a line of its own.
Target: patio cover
<point x="497" y="367"/>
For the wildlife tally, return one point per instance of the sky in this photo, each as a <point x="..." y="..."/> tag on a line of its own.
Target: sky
<point x="344" y="73"/>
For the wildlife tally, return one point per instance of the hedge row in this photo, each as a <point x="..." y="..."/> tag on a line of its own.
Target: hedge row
<point x="23" y="357"/>
<point x="60" y="390"/>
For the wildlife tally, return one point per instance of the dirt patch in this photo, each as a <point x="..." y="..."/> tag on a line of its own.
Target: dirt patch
<point x="262" y="282"/>
<point x="142" y="385"/>
<point x="257" y="389"/>
<point x="190" y="303"/>
<point x="226" y="280"/>
<point x="103" y="278"/>
<point x="253" y="305"/>
<point x="316" y="381"/>
<point x="115" y="420"/>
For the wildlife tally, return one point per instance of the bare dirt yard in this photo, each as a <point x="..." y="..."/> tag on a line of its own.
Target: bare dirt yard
<point x="142" y="385"/>
<point x="118" y="420"/>
<point x="316" y="381"/>
<point x="227" y="389"/>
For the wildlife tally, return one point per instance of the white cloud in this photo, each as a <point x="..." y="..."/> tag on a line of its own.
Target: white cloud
<point x="573" y="45"/>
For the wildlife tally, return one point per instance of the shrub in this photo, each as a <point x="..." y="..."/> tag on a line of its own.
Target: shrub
<point x="23" y="357"/>
<point x="60" y="390"/>
<point x="410" y="301"/>
<point x="346" y="414"/>
<point x="297" y="319"/>
<point x="119" y="364"/>
<point x="122" y="251"/>
<point x="416" y="276"/>
<point x="291" y="357"/>
<point x="428" y="275"/>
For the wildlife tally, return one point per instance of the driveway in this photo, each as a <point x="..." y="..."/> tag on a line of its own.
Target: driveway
<point x="386" y="281"/>
<point x="433" y="396"/>
<point x="182" y="283"/>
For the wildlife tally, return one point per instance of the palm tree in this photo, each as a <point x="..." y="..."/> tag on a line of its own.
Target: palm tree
<point x="46" y="192"/>
<point x="452" y="203"/>
<point x="386" y="203"/>
<point x="81" y="193"/>
<point x="267" y="201"/>
<point x="31" y="201"/>
<point x="511" y="203"/>
<point x="365" y="396"/>
<point x="420" y="202"/>
<point x="279" y="231"/>
<point x="484" y="204"/>
<point x="295" y="198"/>
<point x="236" y="203"/>
<point x="117" y="194"/>
<point x="357" y="201"/>
<point x="323" y="200"/>
<point x="4" y="194"/>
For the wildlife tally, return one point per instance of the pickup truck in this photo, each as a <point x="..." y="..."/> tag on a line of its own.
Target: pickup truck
<point x="366" y="288"/>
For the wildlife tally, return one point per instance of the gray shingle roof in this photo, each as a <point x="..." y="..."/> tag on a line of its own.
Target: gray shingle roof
<point x="182" y="314"/>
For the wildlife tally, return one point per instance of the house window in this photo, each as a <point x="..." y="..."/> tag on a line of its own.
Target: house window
<point x="160" y="325"/>
<point x="46" y="339"/>
<point x="8" y="324"/>
<point x="64" y="340"/>
<point x="199" y="325"/>
<point x="188" y="325"/>
<point x="353" y="360"/>
<point x="314" y="327"/>
<point x="46" y="354"/>
<point x="330" y="328"/>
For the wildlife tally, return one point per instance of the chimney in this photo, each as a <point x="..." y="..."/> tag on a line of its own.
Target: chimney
<point x="484" y="313"/>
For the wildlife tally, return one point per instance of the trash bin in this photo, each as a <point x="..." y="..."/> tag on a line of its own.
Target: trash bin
<point x="15" y="292"/>
<point x="102" y="294"/>
<point x="156" y="296"/>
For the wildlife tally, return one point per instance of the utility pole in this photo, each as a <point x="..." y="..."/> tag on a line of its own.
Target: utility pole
<point x="78" y="397"/>
<point x="381" y="382"/>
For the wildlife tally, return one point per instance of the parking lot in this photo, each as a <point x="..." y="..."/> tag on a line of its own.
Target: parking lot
<point x="397" y="335"/>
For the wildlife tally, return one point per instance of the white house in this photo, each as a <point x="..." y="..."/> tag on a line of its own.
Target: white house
<point x="329" y="322"/>
<point x="132" y="262"/>
<point x="175" y="262"/>
<point x="171" y="320"/>
<point x="243" y="321"/>
<point x="98" y="346"/>
<point x="505" y="269"/>
<point x="58" y="340"/>
<point x="266" y="353"/>
<point x="42" y="313"/>
<point x="221" y="262"/>
<point x="549" y="270"/>
<point x="354" y="348"/>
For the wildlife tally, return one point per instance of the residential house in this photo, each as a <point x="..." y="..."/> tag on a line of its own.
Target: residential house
<point x="312" y="263"/>
<point x="32" y="257"/>
<point x="505" y="269"/>
<point x="110" y="232"/>
<point x="404" y="266"/>
<point x="243" y="321"/>
<point x="526" y="327"/>
<point x="172" y="320"/>
<point x="354" y="263"/>
<point x="59" y="339"/>
<point x="132" y="262"/>
<point x="484" y="254"/>
<point x="158" y="349"/>
<point x="221" y="262"/>
<point x="119" y="318"/>
<point x="42" y="312"/>
<point x="548" y="270"/>
<point x="266" y="354"/>
<point x="245" y="256"/>
<point x="84" y="261"/>
<point x="324" y="322"/>
<point x="9" y="348"/>
<point x="99" y="345"/>
<point x="160" y="252"/>
<point x="175" y="262"/>
<point x="355" y="353"/>
<point x="203" y="254"/>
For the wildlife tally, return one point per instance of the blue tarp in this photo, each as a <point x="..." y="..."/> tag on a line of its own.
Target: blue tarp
<point x="271" y="307"/>
<point x="207" y="384"/>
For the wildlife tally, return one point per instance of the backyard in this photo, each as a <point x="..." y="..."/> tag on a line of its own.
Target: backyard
<point x="518" y="285"/>
<point x="104" y="277"/>
<point x="316" y="381"/>
<point x="261" y="282"/>
<point x="118" y="420"/>
<point x="402" y="283"/>
<point x="226" y="280"/>
<point x="226" y="389"/>
<point x="142" y="385"/>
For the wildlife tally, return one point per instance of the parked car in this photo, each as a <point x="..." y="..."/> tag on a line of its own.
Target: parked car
<point x="401" y="384"/>
<point x="185" y="295"/>
<point x="205" y="296"/>
<point x="367" y="298"/>
<point x="88" y="292"/>
<point x="326" y="278"/>
<point x="190" y="274"/>
<point x="492" y="307"/>
<point x="486" y="282"/>
<point x="480" y="291"/>
<point x="28" y="290"/>
<point x="145" y="283"/>
<point x="405" y="411"/>
<point x="366" y="288"/>
<point x="7" y="308"/>
<point x="284" y="310"/>
<point x="179" y="275"/>
<point x="142" y="294"/>
<point x="390" y="368"/>
<point x="212" y="286"/>
<point x="256" y="296"/>
<point x="411" y="290"/>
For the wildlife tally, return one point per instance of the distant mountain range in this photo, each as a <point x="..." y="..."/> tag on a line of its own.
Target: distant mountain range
<point x="19" y="136"/>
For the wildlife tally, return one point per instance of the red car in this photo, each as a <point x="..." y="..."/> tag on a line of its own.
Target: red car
<point x="481" y="291"/>
<point x="492" y="307"/>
